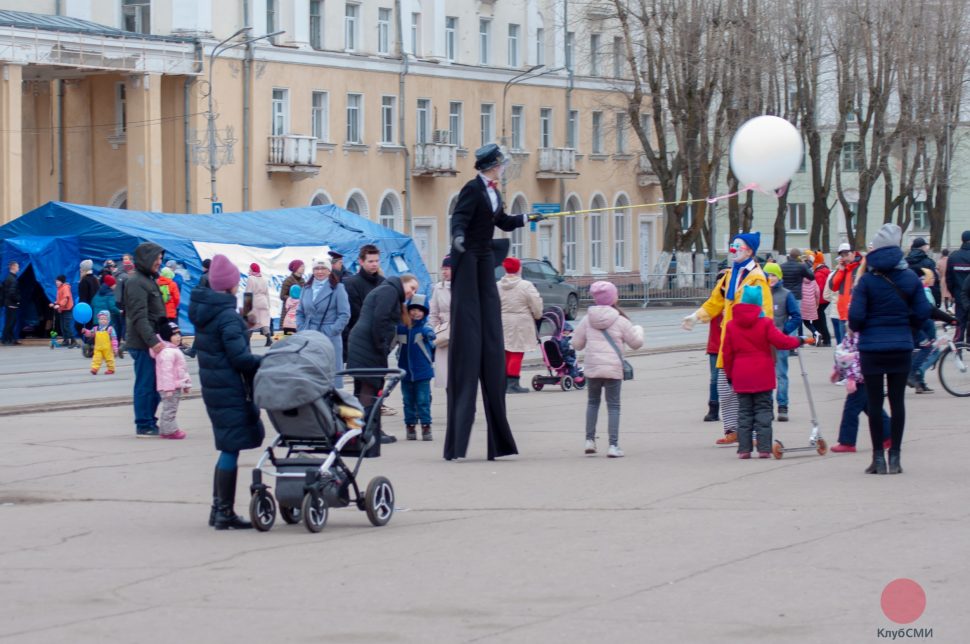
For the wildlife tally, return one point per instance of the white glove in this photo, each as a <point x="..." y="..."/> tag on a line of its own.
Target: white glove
<point x="689" y="322"/>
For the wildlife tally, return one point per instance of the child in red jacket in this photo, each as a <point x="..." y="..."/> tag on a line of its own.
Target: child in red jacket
<point x="750" y="368"/>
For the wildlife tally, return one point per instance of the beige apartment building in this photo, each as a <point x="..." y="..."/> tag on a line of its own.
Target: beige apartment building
<point x="106" y="102"/>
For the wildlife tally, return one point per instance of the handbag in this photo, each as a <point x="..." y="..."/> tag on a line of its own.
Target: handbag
<point x="442" y="336"/>
<point x="627" y="367"/>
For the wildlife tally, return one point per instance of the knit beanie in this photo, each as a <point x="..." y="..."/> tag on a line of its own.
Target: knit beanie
<point x="295" y="264"/>
<point x="446" y="262"/>
<point x="603" y="293"/>
<point x="167" y="328"/>
<point x="511" y="265"/>
<point x="254" y="268"/>
<point x="772" y="268"/>
<point x="324" y="262"/>
<point x="965" y="237"/>
<point x="167" y="272"/>
<point x="751" y="295"/>
<point x="753" y="240"/>
<point x="106" y="314"/>
<point x="296" y="291"/>
<point x="919" y="242"/>
<point x="206" y="263"/>
<point x="108" y="280"/>
<point x="888" y="235"/>
<point x="87" y="265"/>
<point x="223" y="274"/>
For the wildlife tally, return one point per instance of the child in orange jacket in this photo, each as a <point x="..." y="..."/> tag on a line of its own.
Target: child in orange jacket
<point x="63" y="306"/>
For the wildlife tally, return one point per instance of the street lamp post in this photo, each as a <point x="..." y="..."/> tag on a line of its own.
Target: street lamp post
<point x="222" y="47"/>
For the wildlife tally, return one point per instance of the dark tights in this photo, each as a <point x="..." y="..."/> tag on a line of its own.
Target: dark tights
<point x="896" y="386"/>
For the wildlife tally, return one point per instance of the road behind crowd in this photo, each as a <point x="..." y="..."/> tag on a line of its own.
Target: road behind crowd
<point x="104" y="535"/>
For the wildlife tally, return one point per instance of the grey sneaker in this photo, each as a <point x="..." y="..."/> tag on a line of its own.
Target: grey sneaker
<point x="146" y="432"/>
<point x="590" y="446"/>
<point x="614" y="452"/>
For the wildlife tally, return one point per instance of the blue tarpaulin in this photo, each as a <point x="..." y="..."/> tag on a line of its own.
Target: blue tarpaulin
<point x="57" y="236"/>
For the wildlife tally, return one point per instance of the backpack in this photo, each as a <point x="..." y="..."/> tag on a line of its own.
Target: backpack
<point x="166" y="296"/>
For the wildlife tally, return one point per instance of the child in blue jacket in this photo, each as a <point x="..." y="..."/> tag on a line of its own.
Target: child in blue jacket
<point x="416" y="357"/>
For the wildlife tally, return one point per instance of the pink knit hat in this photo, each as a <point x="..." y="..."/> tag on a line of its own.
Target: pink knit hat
<point x="603" y="293"/>
<point x="223" y="274"/>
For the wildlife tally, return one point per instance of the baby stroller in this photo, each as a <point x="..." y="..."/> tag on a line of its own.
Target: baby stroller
<point x="549" y="334"/>
<point x="317" y="427"/>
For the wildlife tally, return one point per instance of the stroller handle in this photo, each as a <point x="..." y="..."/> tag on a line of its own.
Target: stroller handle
<point x="372" y="372"/>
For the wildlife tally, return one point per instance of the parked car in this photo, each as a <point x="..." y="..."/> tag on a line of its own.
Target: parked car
<point x="550" y="283"/>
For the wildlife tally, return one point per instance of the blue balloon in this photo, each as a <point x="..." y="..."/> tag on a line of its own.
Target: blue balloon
<point x="296" y="291"/>
<point x="82" y="313"/>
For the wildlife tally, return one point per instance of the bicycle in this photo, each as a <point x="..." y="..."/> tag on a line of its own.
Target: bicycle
<point x="952" y="362"/>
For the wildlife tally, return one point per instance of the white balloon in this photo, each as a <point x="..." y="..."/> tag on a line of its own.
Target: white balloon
<point x="766" y="152"/>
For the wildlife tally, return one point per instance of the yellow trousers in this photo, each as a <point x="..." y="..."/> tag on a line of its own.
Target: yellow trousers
<point x="102" y="351"/>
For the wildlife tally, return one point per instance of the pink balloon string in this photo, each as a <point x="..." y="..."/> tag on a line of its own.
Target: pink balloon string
<point x="713" y="200"/>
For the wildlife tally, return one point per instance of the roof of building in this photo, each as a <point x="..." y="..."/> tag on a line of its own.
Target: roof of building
<point x="46" y="22"/>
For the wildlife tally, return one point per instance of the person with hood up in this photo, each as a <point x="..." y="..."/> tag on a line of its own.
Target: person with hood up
<point x="521" y="307"/>
<point x="602" y="333"/>
<point x="324" y="307"/>
<point x="144" y="307"/>
<point x="887" y="304"/>
<point x="918" y="259"/>
<point x="171" y="377"/>
<point x="440" y="321"/>
<point x="416" y="357"/>
<point x="227" y="367"/>
<point x="171" y="295"/>
<point x="257" y="292"/>
<point x="750" y="368"/>
<point x="745" y="271"/>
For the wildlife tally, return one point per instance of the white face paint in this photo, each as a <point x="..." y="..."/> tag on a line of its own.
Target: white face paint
<point x="740" y="251"/>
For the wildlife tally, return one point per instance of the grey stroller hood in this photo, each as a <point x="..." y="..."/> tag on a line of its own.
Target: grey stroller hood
<point x="295" y="371"/>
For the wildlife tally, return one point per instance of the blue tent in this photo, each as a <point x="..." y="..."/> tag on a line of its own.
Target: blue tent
<point x="56" y="236"/>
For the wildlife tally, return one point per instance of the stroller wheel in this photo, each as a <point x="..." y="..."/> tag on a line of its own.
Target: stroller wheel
<point x="290" y="515"/>
<point x="579" y="384"/>
<point x="315" y="512"/>
<point x="777" y="450"/>
<point x="87" y="351"/>
<point x="537" y="383"/>
<point x="379" y="501"/>
<point x="566" y="383"/>
<point x="821" y="446"/>
<point x="262" y="511"/>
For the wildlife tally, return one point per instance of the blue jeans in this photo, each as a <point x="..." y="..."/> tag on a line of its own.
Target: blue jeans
<point x="417" y="401"/>
<point x="712" y="396"/>
<point x="781" y="371"/>
<point x="855" y="404"/>
<point x="838" y="326"/>
<point x="145" y="395"/>
<point x="925" y="338"/>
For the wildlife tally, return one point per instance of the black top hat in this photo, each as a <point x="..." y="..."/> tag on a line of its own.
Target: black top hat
<point x="488" y="156"/>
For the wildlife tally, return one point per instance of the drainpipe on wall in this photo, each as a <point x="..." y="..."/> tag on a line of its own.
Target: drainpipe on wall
<point x="569" y="98"/>
<point x="186" y="107"/>
<point x="59" y="91"/>
<point x="247" y="90"/>
<point x="408" y="218"/>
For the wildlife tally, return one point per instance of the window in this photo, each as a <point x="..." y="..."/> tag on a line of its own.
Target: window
<point x="121" y="109"/>
<point x="281" y="108"/>
<point x="484" y="42"/>
<point x="572" y="133"/>
<point x="540" y="46"/>
<point x="351" y="13"/>
<point x="451" y="38"/>
<point x="921" y="216"/>
<point x="455" y="123"/>
<point x="517" y="248"/>
<point x="316" y="24"/>
<point x="596" y="241"/>
<point x="570" y="42"/>
<point x="383" y="31"/>
<point x="545" y="127"/>
<point x="594" y="55"/>
<point x="618" y="55"/>
<point x="517" y="138"/>
<point x="388" y="118"/>
<point x="851" y="156"/>
<point x="513" y="45"/>
<point x="388" y="215"/>
<point x="796" y="218"/>
<point x="320" y="116"/>
<point x="597" y="133"/>
<point x="620" y="217"/>
<point x="621" y="133"/>
<point x="488" y="123"/>
<point x="569" y="242"/>
<point x="357" y="204"/>
<point x="415" y="33"/>
<point x="424" y="120"/>
<point x="137" y="16"/>
<point x="355" y="118"/>
<point x="272" y="20"/>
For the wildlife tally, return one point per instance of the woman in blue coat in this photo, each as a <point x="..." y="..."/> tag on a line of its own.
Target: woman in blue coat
<point x="887" y="304"/>
<point x="226" y="370"/>
<point x="324" y="307"/>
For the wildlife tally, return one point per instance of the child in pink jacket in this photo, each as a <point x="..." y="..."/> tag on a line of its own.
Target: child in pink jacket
<point x="603" y="362"/>
<point x="171" y="378"/>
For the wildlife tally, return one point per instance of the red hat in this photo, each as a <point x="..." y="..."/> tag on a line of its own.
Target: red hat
<point x="108" y="280"/>
<point x="511" y="265"/>
<point x="223" y="274"/>
<point x="254" y="268"/>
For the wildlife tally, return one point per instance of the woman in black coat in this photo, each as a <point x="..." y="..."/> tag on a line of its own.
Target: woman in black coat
<point x="226" y="370"/>
<point x="373" y="336"/>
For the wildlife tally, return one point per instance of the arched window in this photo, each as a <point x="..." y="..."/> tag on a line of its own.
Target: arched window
<point x="119" y="199"/>
<point x="621" y="224"/>
<point x="519" y="206"/>
<point x="390" y="214"/>
<point x="357" y="204"/>
<point x="569" y="248"/>
<point x="320" y="198"/>
<point x="596" y="234"/>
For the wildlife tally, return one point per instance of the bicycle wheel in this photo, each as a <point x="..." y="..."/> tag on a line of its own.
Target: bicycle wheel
<point x="954" y="368"/>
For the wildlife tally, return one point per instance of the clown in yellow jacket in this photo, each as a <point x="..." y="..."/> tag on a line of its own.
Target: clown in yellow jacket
<point x="105" y="344"/>
<point x="745" y="271"/>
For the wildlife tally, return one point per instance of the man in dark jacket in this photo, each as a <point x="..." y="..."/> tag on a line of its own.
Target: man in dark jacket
<point x="11" y="303"/>
<point x="957" y="270"/>
<point x="360" y="285"/>
<point x="337" y="265"/>
<point x="143" y="306"/>
<point x="794" y="270"/>
<point x="918" y="260"/>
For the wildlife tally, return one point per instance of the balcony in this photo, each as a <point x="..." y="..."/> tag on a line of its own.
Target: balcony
<point x="645" y="174"/>
<point x="557" y="163"/>
<point x="294" y="155"/>
<point x="435" y="160"/>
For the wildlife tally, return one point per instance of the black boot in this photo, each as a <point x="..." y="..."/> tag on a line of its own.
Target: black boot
<point x="514" y="387"/>
<point x="878" y="465"/>
<point x="894" y="466"/>
<point x="226" y="518"/>
<point x="712" y="412"/>
<point x="426" y="433"/>
<point x="215" y="498"/>
<point x="411" y="433"/>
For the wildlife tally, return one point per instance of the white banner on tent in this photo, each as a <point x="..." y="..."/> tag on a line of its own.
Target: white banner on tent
<point x="273" y="264"/>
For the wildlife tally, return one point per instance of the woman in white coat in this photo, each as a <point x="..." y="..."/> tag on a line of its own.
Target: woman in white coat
<point x="257" y="292"/>
<point x="440" y="321"/>
<point x="521" y="307"/>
